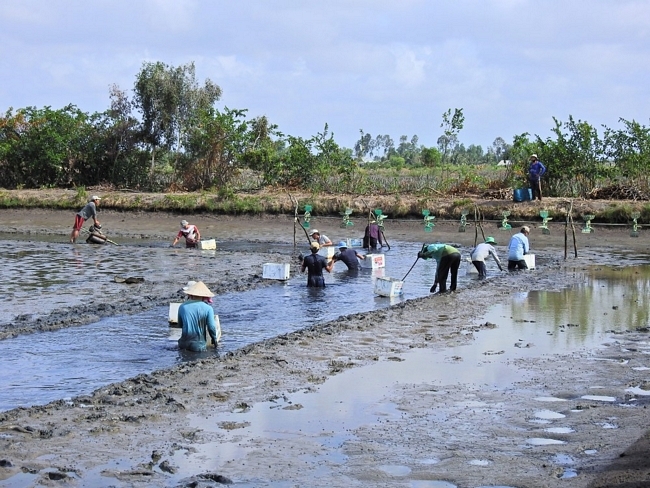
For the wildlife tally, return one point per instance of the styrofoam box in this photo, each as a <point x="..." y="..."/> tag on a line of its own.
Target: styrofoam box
<point x="173" y="313"/>
<point x="327" y="251"/>
<point x="272" y="271"/>
<point x="388" y="287"/>
<point x="208" y="244"/>
<point x="530" y="260"/>
<point x="354" y="242"/>
<point x="373" y="261"/>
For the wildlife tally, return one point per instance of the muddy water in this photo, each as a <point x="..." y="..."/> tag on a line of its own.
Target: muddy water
<point x="534" y="325"/>
<point x="78" y="360"/>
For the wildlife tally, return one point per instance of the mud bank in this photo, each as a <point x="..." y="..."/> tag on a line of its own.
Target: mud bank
<point x="576" y="419"/>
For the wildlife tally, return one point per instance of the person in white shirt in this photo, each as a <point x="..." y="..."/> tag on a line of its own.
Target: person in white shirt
<point x="517" y="248"/>
<point x="481" y="252"/>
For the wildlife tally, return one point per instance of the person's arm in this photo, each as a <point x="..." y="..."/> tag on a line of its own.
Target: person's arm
<point x="327" y="242"/>
<point x="360" y="256"/>
<point x="329" y="266"/>
<point x="304" y="265"/>
<point x="198" y="234"/>
<point x="496" y="259"/>
<point x="212" y="328"/>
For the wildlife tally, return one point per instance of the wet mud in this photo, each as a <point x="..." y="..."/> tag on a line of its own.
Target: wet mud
<point x="424" y="393"/>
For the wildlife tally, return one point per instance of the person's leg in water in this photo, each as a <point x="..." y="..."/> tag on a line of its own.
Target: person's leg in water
<point x="78" y="224"/>
<point x="454" y="265"/>
<point x="443" y="273"/>
<point x="480" y="267"/>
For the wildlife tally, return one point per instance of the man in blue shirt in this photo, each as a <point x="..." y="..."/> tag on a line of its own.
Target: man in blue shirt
<point x="196" y="317"/>
<point x="535" y="173"/>
<point x="348" y="256"/>
<point x="517" y="248"/>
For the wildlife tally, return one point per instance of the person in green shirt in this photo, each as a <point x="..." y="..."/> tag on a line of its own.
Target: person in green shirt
<point x="447" y="260"/>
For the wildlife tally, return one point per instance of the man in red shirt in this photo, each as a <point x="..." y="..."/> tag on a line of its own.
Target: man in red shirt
<point x="190" y="232"/>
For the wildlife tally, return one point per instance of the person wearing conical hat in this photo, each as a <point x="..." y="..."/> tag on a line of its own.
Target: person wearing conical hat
<point x="481" y="252"/>
<point x="196" y="317"/>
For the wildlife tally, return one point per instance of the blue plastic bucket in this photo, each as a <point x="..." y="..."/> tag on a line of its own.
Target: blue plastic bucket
<point x="522" y="194"/>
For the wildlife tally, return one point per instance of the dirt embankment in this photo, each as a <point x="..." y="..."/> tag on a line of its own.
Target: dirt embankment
<point x="398" y="205"/>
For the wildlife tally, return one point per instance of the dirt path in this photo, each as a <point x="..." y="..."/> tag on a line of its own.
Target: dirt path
<point x="239" y="417"/>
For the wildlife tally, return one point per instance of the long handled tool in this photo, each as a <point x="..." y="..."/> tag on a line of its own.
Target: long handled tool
<point x="418" y="258"/>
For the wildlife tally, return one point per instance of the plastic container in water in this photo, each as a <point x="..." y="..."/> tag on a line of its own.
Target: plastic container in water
<point x="272" y="271"/>
<point x="208" y="244"/>
<point x="522" y="194"/>
<point x="388" y="287"/>
<point x="373" y="261"/>
<point x="354" y="242"/>
<point x="530" y="260"/>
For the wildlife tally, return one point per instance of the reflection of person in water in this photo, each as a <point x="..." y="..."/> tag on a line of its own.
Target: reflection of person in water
<point x="95" y="235"/>
<point x="372" y="236"/>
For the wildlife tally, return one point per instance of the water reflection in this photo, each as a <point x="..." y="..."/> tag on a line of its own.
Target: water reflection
<point x="78" y="360"/>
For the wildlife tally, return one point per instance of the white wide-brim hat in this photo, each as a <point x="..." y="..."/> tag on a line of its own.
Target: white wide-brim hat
<point x="198" y="289"/>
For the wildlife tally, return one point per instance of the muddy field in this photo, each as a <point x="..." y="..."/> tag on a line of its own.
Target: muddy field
<point x="273" y="414"/>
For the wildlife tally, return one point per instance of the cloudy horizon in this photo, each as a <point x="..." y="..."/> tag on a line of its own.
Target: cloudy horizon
<point x="380" y="66"/>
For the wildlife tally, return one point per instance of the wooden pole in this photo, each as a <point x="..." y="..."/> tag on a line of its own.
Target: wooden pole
<point x="476" y="224"/>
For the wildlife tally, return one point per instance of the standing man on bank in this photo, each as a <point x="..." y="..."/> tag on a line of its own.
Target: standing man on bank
<point x="191" y="234"/>
<point x="89" y="211"/>
<point x="535" y="173"/>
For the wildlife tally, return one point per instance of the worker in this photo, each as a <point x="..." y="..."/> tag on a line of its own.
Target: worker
<point x="348" y="256"/>
<point x="518" y="247"/>
<point x="322" y="240"/>
<point x="314" y="263"/>
<point x="372" y="236"/>
<point x="196" y="317"/>
<point x="191" y="234"/>
<point x="482" y="251"/>
<point x="447" y="259"/>
<point x="89" y="211"/>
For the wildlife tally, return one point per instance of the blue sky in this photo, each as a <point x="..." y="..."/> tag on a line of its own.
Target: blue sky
<point x="387" y="67"/>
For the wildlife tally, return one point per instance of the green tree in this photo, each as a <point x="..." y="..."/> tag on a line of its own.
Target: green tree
<point x="171" y="102"/>
<point x="451" y="125"/>
<point x="629" y="149"/>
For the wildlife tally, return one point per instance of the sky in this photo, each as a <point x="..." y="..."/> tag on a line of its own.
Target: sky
<point x="384" y="67"/>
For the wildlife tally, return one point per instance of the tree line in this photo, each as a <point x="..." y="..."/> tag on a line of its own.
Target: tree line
<point x="170" y="135"/>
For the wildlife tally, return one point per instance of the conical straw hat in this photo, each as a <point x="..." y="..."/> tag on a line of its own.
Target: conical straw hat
<point x="198" y="289"/>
